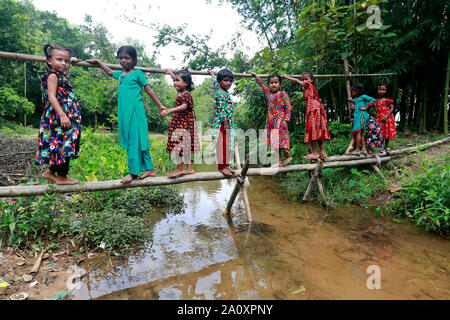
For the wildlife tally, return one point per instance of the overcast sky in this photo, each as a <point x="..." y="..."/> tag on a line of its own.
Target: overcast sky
<point x="200" y="17"/>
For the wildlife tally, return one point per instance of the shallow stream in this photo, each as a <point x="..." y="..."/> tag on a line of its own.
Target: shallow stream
<point x="292" y="251"/>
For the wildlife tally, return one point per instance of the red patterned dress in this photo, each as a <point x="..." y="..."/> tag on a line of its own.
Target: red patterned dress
<point x="183" y="127"/>
<point x="388" y="127"/>
<point x="316" y="117"/>
<point x="279" y="110"/>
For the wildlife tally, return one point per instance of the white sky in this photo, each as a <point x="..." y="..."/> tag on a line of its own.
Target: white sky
<point x="200" y="17"/>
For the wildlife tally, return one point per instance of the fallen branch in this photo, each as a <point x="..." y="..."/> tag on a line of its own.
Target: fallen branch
<point x="37" y="264"/>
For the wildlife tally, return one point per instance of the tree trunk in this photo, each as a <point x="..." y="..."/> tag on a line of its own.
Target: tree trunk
<point x="423" y="113"/>
<point x="95" y="120"/>
<point x="447" y="78"/>
<point x="335" y="104"/>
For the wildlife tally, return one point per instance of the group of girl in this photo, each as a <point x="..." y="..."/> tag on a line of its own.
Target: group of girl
<point x="60" y="127"/>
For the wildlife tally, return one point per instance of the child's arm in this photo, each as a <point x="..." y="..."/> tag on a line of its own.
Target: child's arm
<point x="287" y="113"/>
<point x="294" y="80"/>
<point x="214" y="80"/>
<point x="52" y="84"/>
<point x="104" y="67"/>
<point x="391" y="110"/>
<point x="351" y="104"/>
<point x="370" y="102"/>
<point x="261" y="83"/>
<point x="154" y="97"/>
<point x="170" y="73"/>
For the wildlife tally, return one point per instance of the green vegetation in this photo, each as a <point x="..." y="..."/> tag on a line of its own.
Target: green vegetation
<point x="118" y="219"/>
<point x="425" y="199"/>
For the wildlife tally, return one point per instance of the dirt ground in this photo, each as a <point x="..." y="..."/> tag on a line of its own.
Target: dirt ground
<point x="54" y="275"/>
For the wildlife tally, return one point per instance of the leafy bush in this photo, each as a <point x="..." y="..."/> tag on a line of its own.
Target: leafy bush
<point x="115" y="230"/>
<point x="426" y="196"/>
<point x="12" y="105"/>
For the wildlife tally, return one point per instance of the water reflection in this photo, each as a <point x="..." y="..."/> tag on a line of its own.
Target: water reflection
<point x="308" y="253"/>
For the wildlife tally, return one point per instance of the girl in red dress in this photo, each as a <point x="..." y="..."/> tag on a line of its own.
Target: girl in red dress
<point x="183" y="131"/>
<point x="385" y="118"/>
<point x="316" y="116"/>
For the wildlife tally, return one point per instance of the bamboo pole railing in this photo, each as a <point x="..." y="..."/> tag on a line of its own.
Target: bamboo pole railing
<point x="32" y="58"/>
<point x="332" y="162"/>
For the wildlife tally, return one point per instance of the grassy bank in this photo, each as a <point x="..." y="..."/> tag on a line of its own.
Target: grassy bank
<point x="114" y="219"/>
<point x="422" y="178"/>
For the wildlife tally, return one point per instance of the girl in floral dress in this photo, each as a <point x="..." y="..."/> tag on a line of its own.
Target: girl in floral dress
<point x="316" y="117"/>
<point x="60" y="126"/>
<point x="183" y="131"/>
<point x="224" y="133"/>
<point x="278" y="116"/>
<point x="385" y="118"/>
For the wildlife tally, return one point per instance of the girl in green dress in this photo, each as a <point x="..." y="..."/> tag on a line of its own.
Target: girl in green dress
<point x="133" y="127"/>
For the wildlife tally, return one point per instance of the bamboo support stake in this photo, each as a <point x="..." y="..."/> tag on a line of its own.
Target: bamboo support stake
<point x="312" y="178"/>
<point x="239" y="183"/>
<point x="315" y="178"/>
<point x="244" y="190"/>
<point x="32" y="58"/>
<point x="347" y="86"/>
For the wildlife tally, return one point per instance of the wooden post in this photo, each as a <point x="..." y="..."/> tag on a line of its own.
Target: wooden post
<point x="239" y="183"/>
<point x="446" y="89"/>
<point x="244" y="190"/>
<point x="347" y="85"/>
<point x="315" y="178"/>
<point x="25" y="90"/>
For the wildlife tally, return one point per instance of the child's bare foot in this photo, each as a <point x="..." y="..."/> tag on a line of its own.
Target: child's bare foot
<point x="188" y="172"/>
<point x="286" y="161"/>
<point x="231" y="170"/>
<point x="176" y="173"/>
<point x="276" y="165"/>
<point x="226" y="172"/>
<point x="129" y="178"/>
<point x="312" y="156"/>
<point x="49" y="175"/>
<point x="349" y="149"/>
<point x="323" y="155"/>
<point x="146" y="174"/>
<point x="65" y="180"/>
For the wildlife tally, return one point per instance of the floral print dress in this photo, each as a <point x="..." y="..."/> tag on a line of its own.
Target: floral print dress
<point x="185" y="121"/>
<point x="374" y="134"/>
<point x="279" y="109"/>
<point x="316" y="116"/>
<point x="224" y="110"/>
<point x="56" y="144"/>
<point x="383" y="106"/>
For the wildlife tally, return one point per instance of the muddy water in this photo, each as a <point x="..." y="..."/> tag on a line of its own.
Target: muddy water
<point x="308" y="253"/>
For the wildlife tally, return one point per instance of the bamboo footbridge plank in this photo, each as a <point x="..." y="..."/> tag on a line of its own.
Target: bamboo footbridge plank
<point x="332" y="162"/>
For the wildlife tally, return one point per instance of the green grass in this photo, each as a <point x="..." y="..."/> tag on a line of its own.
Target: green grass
<point x="118" y="219"/>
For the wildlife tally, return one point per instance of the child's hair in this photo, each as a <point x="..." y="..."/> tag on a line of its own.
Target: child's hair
<point x="224" y="73"/>
<point x="359" y="87"/>
<point x="49" y="48"/>
<point x="388" y="89"/>
<point x="309" y="74"/>
<point x="130" y="50"/>
<point x="186" y="77"/>
<point x="274" y="75"/>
